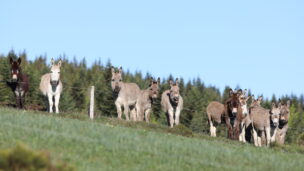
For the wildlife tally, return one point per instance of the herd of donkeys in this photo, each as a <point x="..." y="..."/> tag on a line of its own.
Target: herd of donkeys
<point x="243" y="122"/>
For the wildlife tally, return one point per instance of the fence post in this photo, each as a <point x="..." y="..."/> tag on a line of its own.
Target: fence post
<point x="91" y="111"/>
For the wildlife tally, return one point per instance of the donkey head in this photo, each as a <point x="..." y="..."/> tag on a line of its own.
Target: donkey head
<point x="243" y="98"/>
<point x="234" y="101"/>
<point x="55" y="72"/>
<point x="153" y="88"/>
<point x="275" y="113"/>
<point x="256" y="102"/>
<point x="174" y="91"/>
<point x="116" y="82"/>
<point x="284" y="113"/>
<point x="15" y="69"/>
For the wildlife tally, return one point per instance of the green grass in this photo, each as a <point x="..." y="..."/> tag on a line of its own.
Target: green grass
<point x="109" y="144"/>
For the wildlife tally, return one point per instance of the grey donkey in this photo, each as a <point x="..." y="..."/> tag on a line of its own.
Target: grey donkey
<point x="283" y="123"/>
<point x="216" y="114"/>
<point x="172" y="103"/>
<point x="273" y="119"/>
<point x="145" y="100"/>
<point x="264" y="122"/>
<point x="126" y="95"/>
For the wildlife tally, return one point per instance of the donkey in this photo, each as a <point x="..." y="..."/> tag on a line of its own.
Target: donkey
<point x="215" y="113"/>
<point x="274" y="120"/>
<point x="145" y="100"/>
<point x="19" y="83"/>
<point x="126" y="95"/>
<point x="248" y="125"/>
<point x="51" y="85"/>
<point x="245" y="119"/>
<point x="260" y="119"/>
<point x="233" y="114"/>
<point x="283" y="123"/>
<point x="172" y="103"/>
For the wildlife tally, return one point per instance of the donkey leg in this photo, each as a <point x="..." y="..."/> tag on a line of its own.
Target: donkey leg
<point x="260" y="138"/>
<point x="126" y="111"/>
<point x="22" y="102"/>
<point x="22" y="99"/>
<point x="242" y="135"/>
<point x="177" y="115"/>
<point x="133" y="114"/>
<point x="212" y="129"/>
<point x="227" y="119"/>
<point x="17" y="102"/>
<point x="118" y="108"/>
<point x="273" y="137"/>
<point x="147" y="115"/>
<point x="255" y="137"/>
<point x="141" y="114"/>
<point x="57" y="98"/>
<point x="236" y="130"/>
<point x="268" y="136"/>
<point x="51" y="103"/>
<point x="138" y="108"/>
<point x="171" y="117"/>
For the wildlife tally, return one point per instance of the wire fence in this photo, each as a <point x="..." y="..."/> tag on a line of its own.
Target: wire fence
<point x="183" y="117"/>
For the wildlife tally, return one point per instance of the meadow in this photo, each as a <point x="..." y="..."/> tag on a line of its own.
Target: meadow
<point x="110" y="144"/>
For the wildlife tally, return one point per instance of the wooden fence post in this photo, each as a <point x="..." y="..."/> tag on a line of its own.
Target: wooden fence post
<point x="91" y="111"/>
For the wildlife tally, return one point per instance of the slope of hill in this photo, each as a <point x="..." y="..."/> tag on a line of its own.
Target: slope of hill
<point x="90" y="145"/>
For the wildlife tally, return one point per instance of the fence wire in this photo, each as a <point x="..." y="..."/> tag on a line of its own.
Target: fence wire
<point x="67" y="85"/>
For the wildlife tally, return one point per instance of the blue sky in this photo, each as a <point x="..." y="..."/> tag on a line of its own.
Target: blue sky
<point x="255" y="44"/>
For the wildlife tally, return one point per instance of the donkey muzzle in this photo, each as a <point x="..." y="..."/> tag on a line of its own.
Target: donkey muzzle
<point x="14" y="80"/>
<point x="282" y="122"/>
<point x="54" y="83"/>
<point x="116" y="89"/>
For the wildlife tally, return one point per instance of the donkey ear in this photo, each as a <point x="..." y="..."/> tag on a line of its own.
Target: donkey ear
<point x="52" y="61"/>
<point x="171" y="83"/>
<point x="273" y="105"/>
<point x="245" y="92"/>
<point x="279" y="105"/>
<point x="113" y="70"/>
<point x="151" y="80"/>
<point x="60" y="63"/>
<point x="260" y="98"/>
<point x="120" y="70"/>
<point x="158" y="80"/>
<point x="248" y="97"/>
<point x="231" y="92"/>
<point x="177" y="81"/>
<point x="11" y="60"/>
<point x="288" y="103"/>
<point x="240" y="92"/>
<point x="19" y="61"/>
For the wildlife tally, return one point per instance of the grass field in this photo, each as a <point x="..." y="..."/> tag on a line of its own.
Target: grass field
<point x="109" y="144"/>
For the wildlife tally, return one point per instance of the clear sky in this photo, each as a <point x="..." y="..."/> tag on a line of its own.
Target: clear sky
<point x="255" y="44"/>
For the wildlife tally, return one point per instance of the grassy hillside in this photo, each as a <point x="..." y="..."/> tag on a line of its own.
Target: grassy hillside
<point x="108" y="144"/>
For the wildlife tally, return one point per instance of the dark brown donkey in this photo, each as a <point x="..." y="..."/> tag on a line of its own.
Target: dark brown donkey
<point x="233" y="114"/>
<point x="19" y="82"/>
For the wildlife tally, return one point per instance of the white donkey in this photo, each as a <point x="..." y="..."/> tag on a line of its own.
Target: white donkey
<point x="172" y="103"/>
<point x="51" y="86"/>
<point x="126" y="95"/>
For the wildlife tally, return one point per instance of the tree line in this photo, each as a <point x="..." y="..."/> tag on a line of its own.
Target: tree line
<point x="77" y="78"/>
